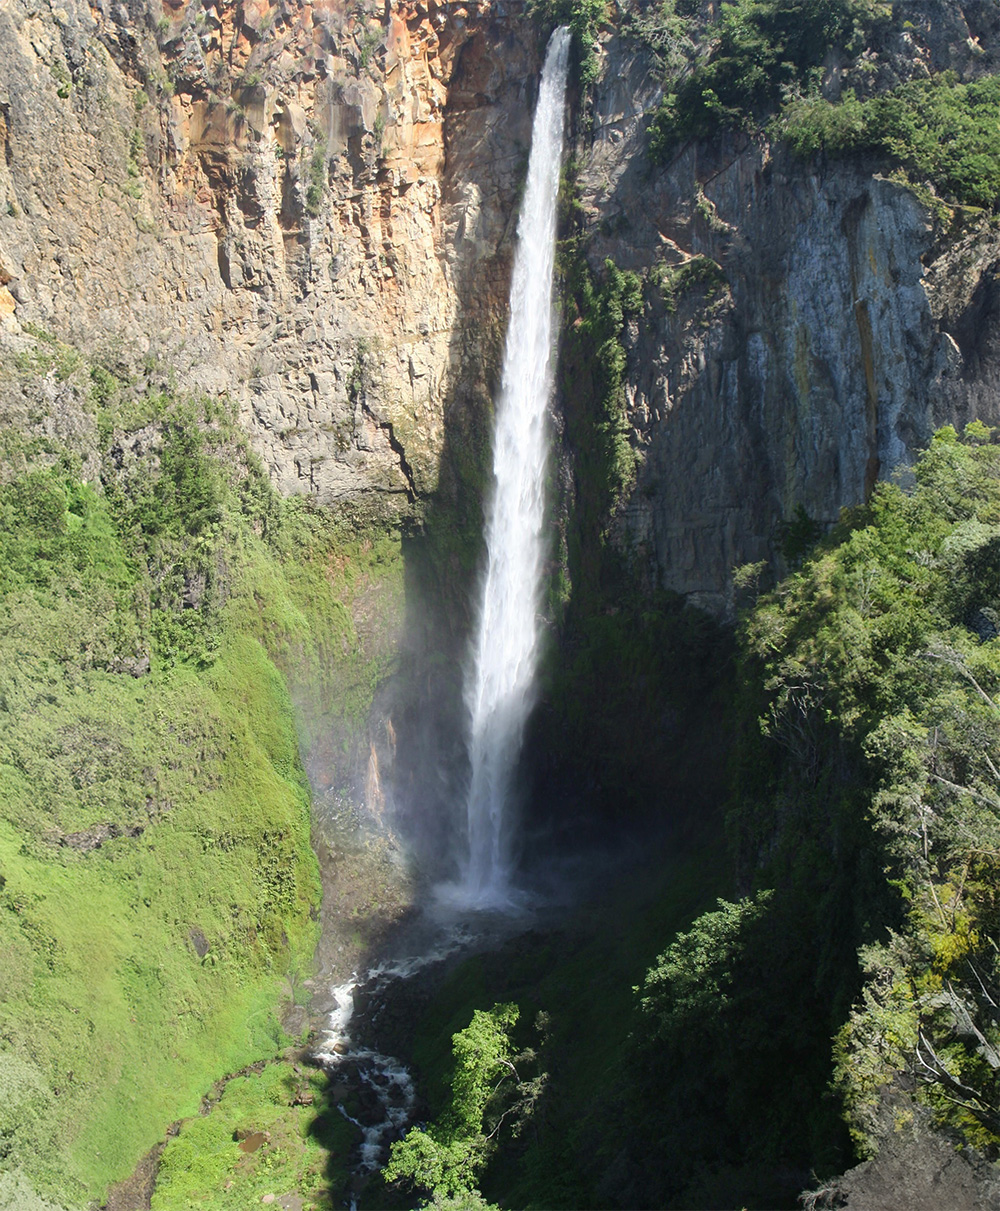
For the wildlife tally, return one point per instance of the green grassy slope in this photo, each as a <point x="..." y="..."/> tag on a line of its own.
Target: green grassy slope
<point x="156" y="878"/>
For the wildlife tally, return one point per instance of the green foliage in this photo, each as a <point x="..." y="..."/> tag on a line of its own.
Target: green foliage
<point x="797" y="536"/>
<point x="677" y="280"/>
<point x="445" y="1159"/>
<point x="62" y="78"/>
<point x="137" y="813"/>
<point x="594" y="363"/>
<point x="665" y="28"/>
<point x="185" y="500"/>
<point x="317" y="179"/>
<point x="693" y="979"/>
<point x="875" y="1043"/>
<point x="758" y="49"/>
<point x="584" y="18"/>
<point x="156" y="876"/>
<point x="369" y="41"/>
<point x="574" y="982"/>
<point x="877" y="743"/>
<point x="731" y="1003"/>
<point x="49" y="354"/>
<point x="204" y="1165"/>
<point x="936" y="129"/>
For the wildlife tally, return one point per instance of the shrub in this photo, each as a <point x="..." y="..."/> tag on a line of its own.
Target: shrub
<point x="760" y="49"/>
<point x="584" y="18"/>
<point x="936" y="129"/>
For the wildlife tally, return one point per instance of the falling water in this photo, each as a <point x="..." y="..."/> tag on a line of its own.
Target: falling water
<point x="500" y="681"/>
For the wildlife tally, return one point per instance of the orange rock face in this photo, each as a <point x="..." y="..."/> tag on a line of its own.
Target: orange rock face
<point x="303" y="206"/>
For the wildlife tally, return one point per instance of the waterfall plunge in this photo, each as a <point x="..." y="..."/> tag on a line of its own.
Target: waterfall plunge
<point x="499" y="683"/>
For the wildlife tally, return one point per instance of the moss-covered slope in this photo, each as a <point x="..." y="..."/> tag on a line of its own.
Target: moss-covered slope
<point x="156" y="878"/>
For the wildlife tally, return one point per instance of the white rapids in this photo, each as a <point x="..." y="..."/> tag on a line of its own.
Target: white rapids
<point x="499" y="684"/>
<point x="385" y="1076"/>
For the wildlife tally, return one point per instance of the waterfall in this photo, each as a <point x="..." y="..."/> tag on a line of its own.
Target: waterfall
<point x="500" y="678"/>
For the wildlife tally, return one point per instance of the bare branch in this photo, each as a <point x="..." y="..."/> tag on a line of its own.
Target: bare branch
<point x="979" y="981"/>
<point x="967" y="1028"/>
<point x="973" y="1101"/>
<point x="967" y="790"/>
<point x="958" y="664"/>
<point x="993" y="769"/>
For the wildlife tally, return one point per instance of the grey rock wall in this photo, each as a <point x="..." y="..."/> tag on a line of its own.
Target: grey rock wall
<point x="846" y="330"/>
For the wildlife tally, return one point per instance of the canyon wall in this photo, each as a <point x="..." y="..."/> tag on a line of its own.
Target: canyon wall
<point x="287" y="205"/>
<point x="308" y="209"/>
<point x="836" y="327"/>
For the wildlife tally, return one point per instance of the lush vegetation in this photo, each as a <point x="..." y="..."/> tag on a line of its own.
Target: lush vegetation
<point x="763" y="59"/>
<point x="874" y="777"/>
<point x="847" y="994"/>
<point x="937" y="130"/>
<point x="553" y="1134"/>
<point x="156" y="878"/>
<point x="270" y="1132"/>
<point x="445" y="1159"/>
<point x="753" y="53"/>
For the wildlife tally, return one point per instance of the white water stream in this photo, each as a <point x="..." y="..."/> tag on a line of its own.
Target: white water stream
<point x="383" y="1087"/>
<point x="385" y="1076"/>
<point x="500" y="681"/>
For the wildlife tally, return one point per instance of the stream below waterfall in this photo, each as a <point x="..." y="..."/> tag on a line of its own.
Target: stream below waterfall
<point x="378" y="1086"/>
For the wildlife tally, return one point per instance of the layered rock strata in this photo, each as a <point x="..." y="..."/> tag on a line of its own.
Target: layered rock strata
<point x="286" y="204"/>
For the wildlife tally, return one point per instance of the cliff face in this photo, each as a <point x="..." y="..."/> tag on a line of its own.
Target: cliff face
<point x="833" y="331"/>
<point x="309" y="208"/>
<point x="284" y="203"/>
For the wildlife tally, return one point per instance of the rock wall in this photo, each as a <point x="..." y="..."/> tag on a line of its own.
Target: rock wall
<point x="308" y="208"/>
<point x="837" y="328"/>
<point x="289" y="204"/>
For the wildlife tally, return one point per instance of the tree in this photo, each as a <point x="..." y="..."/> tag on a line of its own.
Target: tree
<point x="445" y="1159"/>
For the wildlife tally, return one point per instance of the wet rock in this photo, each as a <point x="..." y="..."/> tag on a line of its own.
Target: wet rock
<point x="295" y="1020"/>
<point x="199" y="942"/>
<point x="134" y="666"/>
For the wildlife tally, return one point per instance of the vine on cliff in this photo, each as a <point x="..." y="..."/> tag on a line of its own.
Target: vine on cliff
<point x="594" y="361"/>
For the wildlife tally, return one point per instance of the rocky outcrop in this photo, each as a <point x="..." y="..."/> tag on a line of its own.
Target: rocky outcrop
<point x="915" y="1170"/>
<point x="835" y="329"/>
<point x="286" y="204"/>
<point x="308" y="209"/>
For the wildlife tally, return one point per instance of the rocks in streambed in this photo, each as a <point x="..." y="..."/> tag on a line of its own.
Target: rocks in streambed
<point x="295" y="1021"/>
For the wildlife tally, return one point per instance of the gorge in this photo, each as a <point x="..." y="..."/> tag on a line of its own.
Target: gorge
<point x="257" y="264"/>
